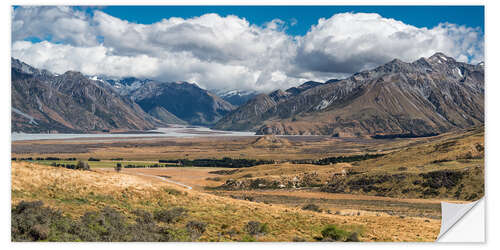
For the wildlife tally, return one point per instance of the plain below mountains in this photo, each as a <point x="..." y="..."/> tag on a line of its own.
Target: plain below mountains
<point x="426" y="97"/>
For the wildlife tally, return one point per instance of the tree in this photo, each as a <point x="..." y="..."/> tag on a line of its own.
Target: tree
<point x="86" y="166"/>
<point x="82" y="165"/>
<point x="118" y="167"/>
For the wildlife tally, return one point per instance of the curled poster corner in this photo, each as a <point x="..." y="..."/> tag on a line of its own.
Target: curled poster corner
<point x="451" y="213"/>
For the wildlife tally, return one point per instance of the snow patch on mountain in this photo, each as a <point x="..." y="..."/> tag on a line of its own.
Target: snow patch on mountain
<point x="19" y="112"/>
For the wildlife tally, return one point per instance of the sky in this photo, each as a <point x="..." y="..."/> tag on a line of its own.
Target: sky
<point x="258" y="48"/>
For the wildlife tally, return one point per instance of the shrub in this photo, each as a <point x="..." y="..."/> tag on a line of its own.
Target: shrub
<point x="93" y="159"/>
<point x="247" y="176"/>
<point x="39" y="232"/>
<point x="312" y="207"/>
<point x="82" y="165"/>
<point x="256" y="228"/>
<point x="196" y="229"/>
<point x="105" y="225"/>
<point x="170" y="215"/>
<point x="353" y="237"/>
<point x="31" y="221"/>
<point x="333" y="233"/>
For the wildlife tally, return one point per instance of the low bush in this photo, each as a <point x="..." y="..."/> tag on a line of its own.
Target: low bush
<point x="256" y="228"/>
<point x="338" y="159"/>
<point x="333" y="233"/>
<point x="170" y="215"/>
<point x="196" y="229"/>
<point x="31" y="221"/>
<point x="224" y="162"/>
<point x="82" y="165"/>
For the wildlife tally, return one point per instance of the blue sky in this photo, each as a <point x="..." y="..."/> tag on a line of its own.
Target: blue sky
<point x="419" y="16"/>
<point x="241" y="47"/>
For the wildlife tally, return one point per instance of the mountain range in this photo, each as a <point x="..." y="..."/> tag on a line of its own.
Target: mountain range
<point x="184" y="100"/>
<point x="398" y="99"/>
<point x="70" y="102"/>
<point x="75" y="103"/>
<point x="425" y="97"/>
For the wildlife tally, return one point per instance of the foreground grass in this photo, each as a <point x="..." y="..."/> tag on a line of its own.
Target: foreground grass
<point x="76" y="192"/>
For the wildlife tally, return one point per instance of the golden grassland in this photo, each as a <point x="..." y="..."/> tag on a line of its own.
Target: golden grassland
<point x="205" y="180"/>
<point x="75" y="192"/>
<point x="401" y="213"/>
<point x="461" y="153"/>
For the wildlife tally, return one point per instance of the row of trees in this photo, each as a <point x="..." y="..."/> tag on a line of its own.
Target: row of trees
<point x="224" y="162"/>
<point x="80" y="165"/>
<point x="338" y="159"/>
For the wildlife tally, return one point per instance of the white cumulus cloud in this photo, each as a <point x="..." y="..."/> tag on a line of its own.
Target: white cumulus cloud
<point x="227" y="51"/>
<point x="348" y="42"/>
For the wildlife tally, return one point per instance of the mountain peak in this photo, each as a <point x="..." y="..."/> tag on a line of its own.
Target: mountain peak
<point x="396" y="61"/>
<point x="440" y="57"/>
<point x="72" y="73"/>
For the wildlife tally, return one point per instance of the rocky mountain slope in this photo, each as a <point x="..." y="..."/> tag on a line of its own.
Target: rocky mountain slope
<point x="183" y="100"/>
<point x="428" y="96"/>
<point x="235" y="97"/>
<point x="71" y="102"/>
